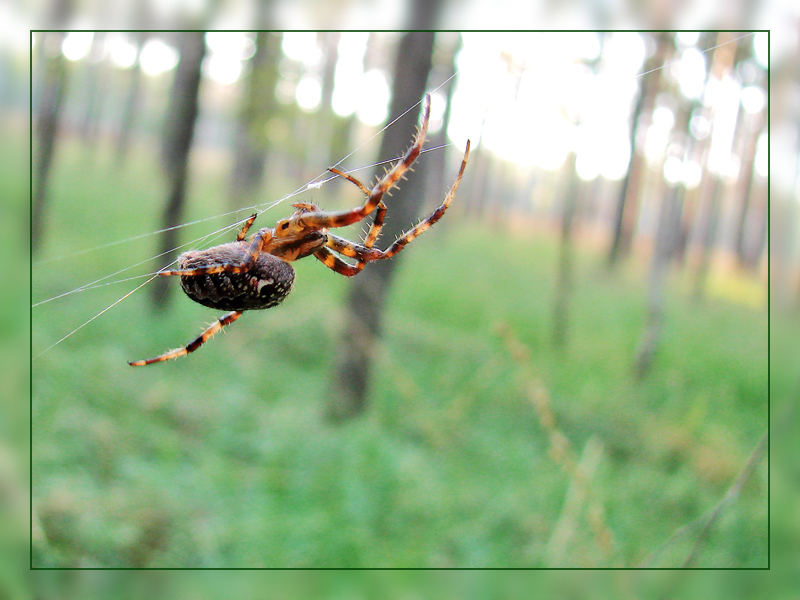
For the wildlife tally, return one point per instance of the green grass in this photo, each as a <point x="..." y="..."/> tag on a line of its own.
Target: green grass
<point x="224" y="458"/>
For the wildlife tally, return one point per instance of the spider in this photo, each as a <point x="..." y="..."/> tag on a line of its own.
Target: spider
<point x="255" y="274"/>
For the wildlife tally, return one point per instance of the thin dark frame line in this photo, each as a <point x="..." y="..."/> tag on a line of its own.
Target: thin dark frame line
<point x="30" y="373"/>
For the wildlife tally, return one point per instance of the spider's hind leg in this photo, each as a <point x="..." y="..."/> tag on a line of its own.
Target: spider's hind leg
<point x="194" y="344"/>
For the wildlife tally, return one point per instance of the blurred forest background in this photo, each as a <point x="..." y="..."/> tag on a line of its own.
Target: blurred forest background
<point x="569" y="370"/>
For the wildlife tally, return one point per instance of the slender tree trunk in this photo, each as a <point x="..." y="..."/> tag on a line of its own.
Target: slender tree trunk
<point x="757" y="225"/>
<point x="94" y="90"/>
<point x="666" y="237"/>
<point x="180" y="122"/>
<point x="442" y="75"/>
<point x="745" y="188"/>
<point x="564" y="279"/>
<point x="694" y="199"/>
<point x="328" y="122"/>
<point x="628" y="201"/>
<point x="251" y="146"/>
<point x="667" y="242"/>
<point x="52" y="90"/>
<point x="721" y="64"/>
<point x="365" y="305"/>
<point x="708" y="236"/>
<point x="132" y="102"/>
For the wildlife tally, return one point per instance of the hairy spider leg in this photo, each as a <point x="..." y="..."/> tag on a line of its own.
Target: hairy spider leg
<point x="426" y="224"/>
<point x="246" y="227"/>
<point x="377" y="225"/>
<point x="333" y="262"/>
<point x="194" y="344"/>
<point x="374" y="200"/>
<point x="380" y="213"/>
<point x="351" y="179"/>
<point x="259" y="239"/>
<point x="352" y="249"/>
<point x="322" y="220"/>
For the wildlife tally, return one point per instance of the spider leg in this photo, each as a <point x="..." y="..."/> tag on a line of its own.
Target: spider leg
<point x="321" y="220"/>
<point x="352" y="249"/>
<point x="351" y="179"/>
<point x="425" y="224"/>
<point x="375" y="229"/>
<point x="246" y="227"/>
<point x="377" y="224"/>
<point x="333" y="262"/>
<point x="366" y="253"/>
<point x="194" y="344"/>
<point x="261" y="238"/>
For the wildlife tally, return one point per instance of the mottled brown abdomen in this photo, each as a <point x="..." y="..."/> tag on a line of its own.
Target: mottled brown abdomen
<point x="264" y="285"/>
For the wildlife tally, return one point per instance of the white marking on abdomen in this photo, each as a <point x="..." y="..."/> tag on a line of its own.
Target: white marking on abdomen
<point x="263" y="282"/>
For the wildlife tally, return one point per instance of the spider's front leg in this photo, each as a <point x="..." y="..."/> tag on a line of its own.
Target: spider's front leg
<point x="326" y="220"/>
<point x="437" y="214"/>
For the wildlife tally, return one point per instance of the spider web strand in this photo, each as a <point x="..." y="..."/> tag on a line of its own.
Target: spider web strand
<point x="675" y="62"/>
<point x="105" y="310"/>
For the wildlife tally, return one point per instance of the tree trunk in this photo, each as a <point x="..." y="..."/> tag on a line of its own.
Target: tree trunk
<point x="442" y="75"/>
<point x="712" y="188"/>
<point x="367" y="296"/>
<point x="180" y="122"/>
<point x="757" y="226"/>
<point x="667" y="242"/>
<point x="745" y="189"/>
<point x="52" y="89"/>
<point x="132" y="102"/>
<point x="250" y="153"/>
<point x="94" y="90"/>
<point x="666" y="236"/>
<point x="628" y="201"/>
<point x="564" y="279"/>
<point x="708" y="235"/>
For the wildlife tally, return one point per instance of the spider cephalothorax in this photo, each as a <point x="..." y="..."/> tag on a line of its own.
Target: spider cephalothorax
<point x="256" y="274"/>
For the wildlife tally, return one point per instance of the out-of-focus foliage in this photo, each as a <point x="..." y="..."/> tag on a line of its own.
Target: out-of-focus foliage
<point x="433" y="585"/>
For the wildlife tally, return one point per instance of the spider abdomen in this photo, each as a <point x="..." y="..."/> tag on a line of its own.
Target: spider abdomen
<point x="264" y="285"/>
